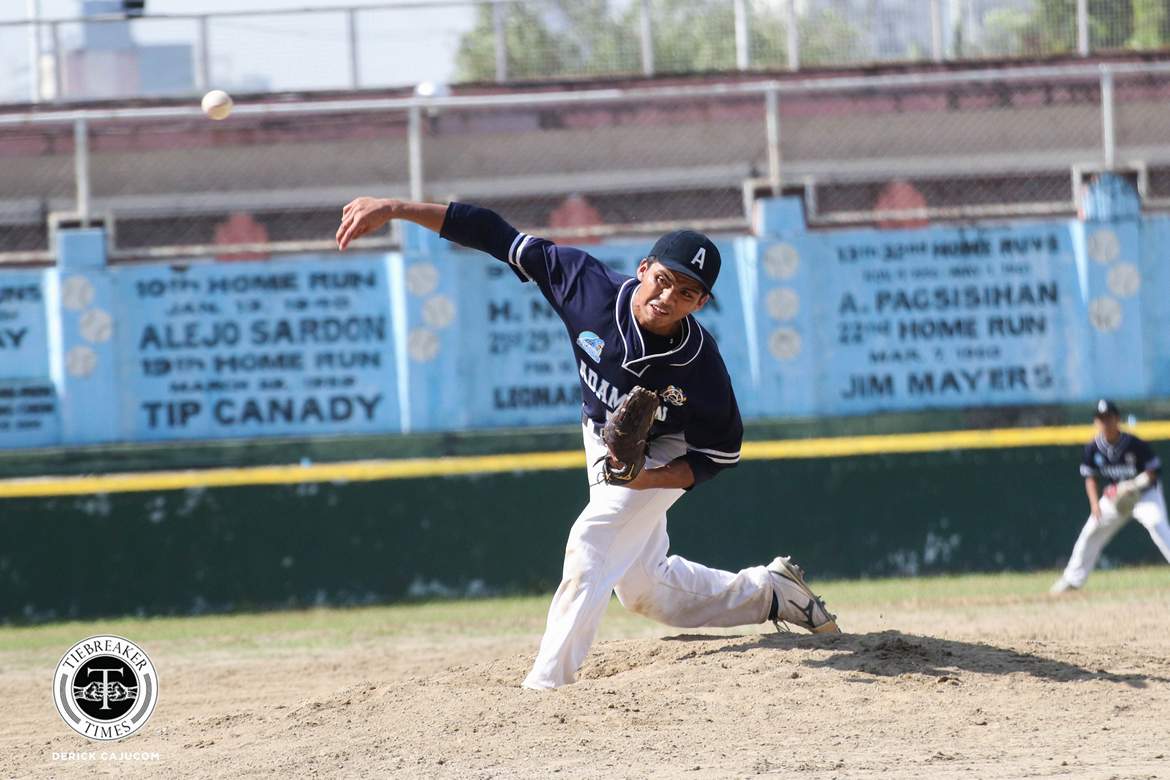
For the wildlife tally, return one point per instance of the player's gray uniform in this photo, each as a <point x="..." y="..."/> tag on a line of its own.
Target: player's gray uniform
<point x="1110" y="464"/>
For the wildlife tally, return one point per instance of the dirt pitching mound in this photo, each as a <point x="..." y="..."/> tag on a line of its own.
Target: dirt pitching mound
<point x="1004" y="689"/>
<point x="884" y="703"/>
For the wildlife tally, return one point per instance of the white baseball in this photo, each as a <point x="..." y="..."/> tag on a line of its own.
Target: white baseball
<point x="96" y="325"/>
<point x="422" y="345"/>
<point x="76" y="293"/>
<point x="422" y="279"/>
<point x="438" y="312"/>
<point x="1105" y="314"/>
<point x="781" y="261"/>
<point x="784" y="343"/>
<point x="217" y="104"/>
<point x="80" y="361"/>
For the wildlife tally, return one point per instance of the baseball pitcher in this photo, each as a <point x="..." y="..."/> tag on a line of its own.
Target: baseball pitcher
<point x="1129" y="469"/>
<point x="659" y="418"/>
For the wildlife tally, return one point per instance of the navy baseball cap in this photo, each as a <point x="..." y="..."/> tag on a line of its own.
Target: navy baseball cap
<point x="1105" y="408"/>
<point x="690" y="253"/>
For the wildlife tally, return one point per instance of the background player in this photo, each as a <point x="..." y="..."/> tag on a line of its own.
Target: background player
<point x="629" y="332"/>
<point x="1129" y="469"/>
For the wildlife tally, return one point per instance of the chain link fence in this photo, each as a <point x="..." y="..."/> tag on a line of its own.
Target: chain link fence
<point x="246" y="187"/>
<point x="952" y="150"/>
<point x="1142" y="125"/>
<point x="573" y="165"/>
<point x="37" y="177"/>
<point x="892" y="150"/>
<point x="463" y="41"/>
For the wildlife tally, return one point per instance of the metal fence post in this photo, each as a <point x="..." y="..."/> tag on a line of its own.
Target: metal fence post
<point x="772" y="115"/>
<point x="793" y="34"/>
<point x="34" y="49"/>
<point x="646" y="33"/>
<point x="415" y="153"/>
<point x="81" y="168"/>
<point x="351" y="30"/>
<point x="203" y="75"/>
<point x="743" y="44"/>
<point x="58" y="62"/>
<point x="1108" y="137"/>
<point x="1083" y="27"/>
<point x="936" y="31"/>
<point x="498" y="29"/>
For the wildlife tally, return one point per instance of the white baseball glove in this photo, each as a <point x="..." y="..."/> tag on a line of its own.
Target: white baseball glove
<point x="1126" y="498"/>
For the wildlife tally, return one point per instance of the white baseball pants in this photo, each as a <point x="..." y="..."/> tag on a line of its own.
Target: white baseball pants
<point x="619" y="543"/>
<point x="1150" y="511"/>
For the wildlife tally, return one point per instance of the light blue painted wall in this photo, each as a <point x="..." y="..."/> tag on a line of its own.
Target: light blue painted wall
<point x="439" y="338"/>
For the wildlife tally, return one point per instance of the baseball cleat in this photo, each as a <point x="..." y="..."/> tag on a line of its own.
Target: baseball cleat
<point x="798" y="604"/>
<point x="1062" y="586"/>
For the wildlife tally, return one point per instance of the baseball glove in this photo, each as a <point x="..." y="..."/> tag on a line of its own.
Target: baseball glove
<point x="625" y="435"/>
<point x="1126" y="497"/>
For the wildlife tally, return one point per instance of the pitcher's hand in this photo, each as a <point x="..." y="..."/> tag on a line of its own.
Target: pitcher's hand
<point x="361" y="216"/>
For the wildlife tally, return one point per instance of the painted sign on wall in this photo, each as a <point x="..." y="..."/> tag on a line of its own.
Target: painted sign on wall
<point x="28" y="397"/>
<point x="857" y="321"/>
<point x="254" y="349"/>
<point x="439" y="338"/>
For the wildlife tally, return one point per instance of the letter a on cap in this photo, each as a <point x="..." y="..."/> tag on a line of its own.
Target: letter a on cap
<point x="699" y="257"/>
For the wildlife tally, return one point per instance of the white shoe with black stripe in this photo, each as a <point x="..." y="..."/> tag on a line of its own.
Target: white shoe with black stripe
<point x="797" y="604"/>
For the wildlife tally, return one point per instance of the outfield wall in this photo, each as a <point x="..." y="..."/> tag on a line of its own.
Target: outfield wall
<point x="810" y="323"/>
<point x="351" y="542"/>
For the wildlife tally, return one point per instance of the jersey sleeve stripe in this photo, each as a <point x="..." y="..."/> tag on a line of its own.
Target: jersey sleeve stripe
<point x="516" y="253"/>
<point x="716" y="452"/>
<point x="1153" y="463"/>
<point x="717" y="459"/>
<point x="722" y="461"/>
<point x="1088" y="471"/>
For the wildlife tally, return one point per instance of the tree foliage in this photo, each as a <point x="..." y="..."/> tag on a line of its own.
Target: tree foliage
<point x="581" y="37"/>
<point x="1051" y="27"/>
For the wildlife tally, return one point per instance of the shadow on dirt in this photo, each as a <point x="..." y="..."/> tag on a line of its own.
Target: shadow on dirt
<point x="893" y="653"/>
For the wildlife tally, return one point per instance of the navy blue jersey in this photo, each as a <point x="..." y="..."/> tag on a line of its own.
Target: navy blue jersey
<point x="1113" y="463"/>
<point x="613" y="354"/>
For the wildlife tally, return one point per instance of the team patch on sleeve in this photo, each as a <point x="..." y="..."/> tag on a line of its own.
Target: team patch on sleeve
<point x="591" y="344"/>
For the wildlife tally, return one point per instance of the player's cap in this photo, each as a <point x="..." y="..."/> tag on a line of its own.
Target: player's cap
<point x="690" y="253"/>
<point x="1106" y="408"/>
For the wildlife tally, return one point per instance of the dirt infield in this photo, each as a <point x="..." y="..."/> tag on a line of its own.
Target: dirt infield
<point x="981" y="686"/>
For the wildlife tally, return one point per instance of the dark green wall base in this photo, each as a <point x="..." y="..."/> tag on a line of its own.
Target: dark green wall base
<point x="259" y="547"/>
